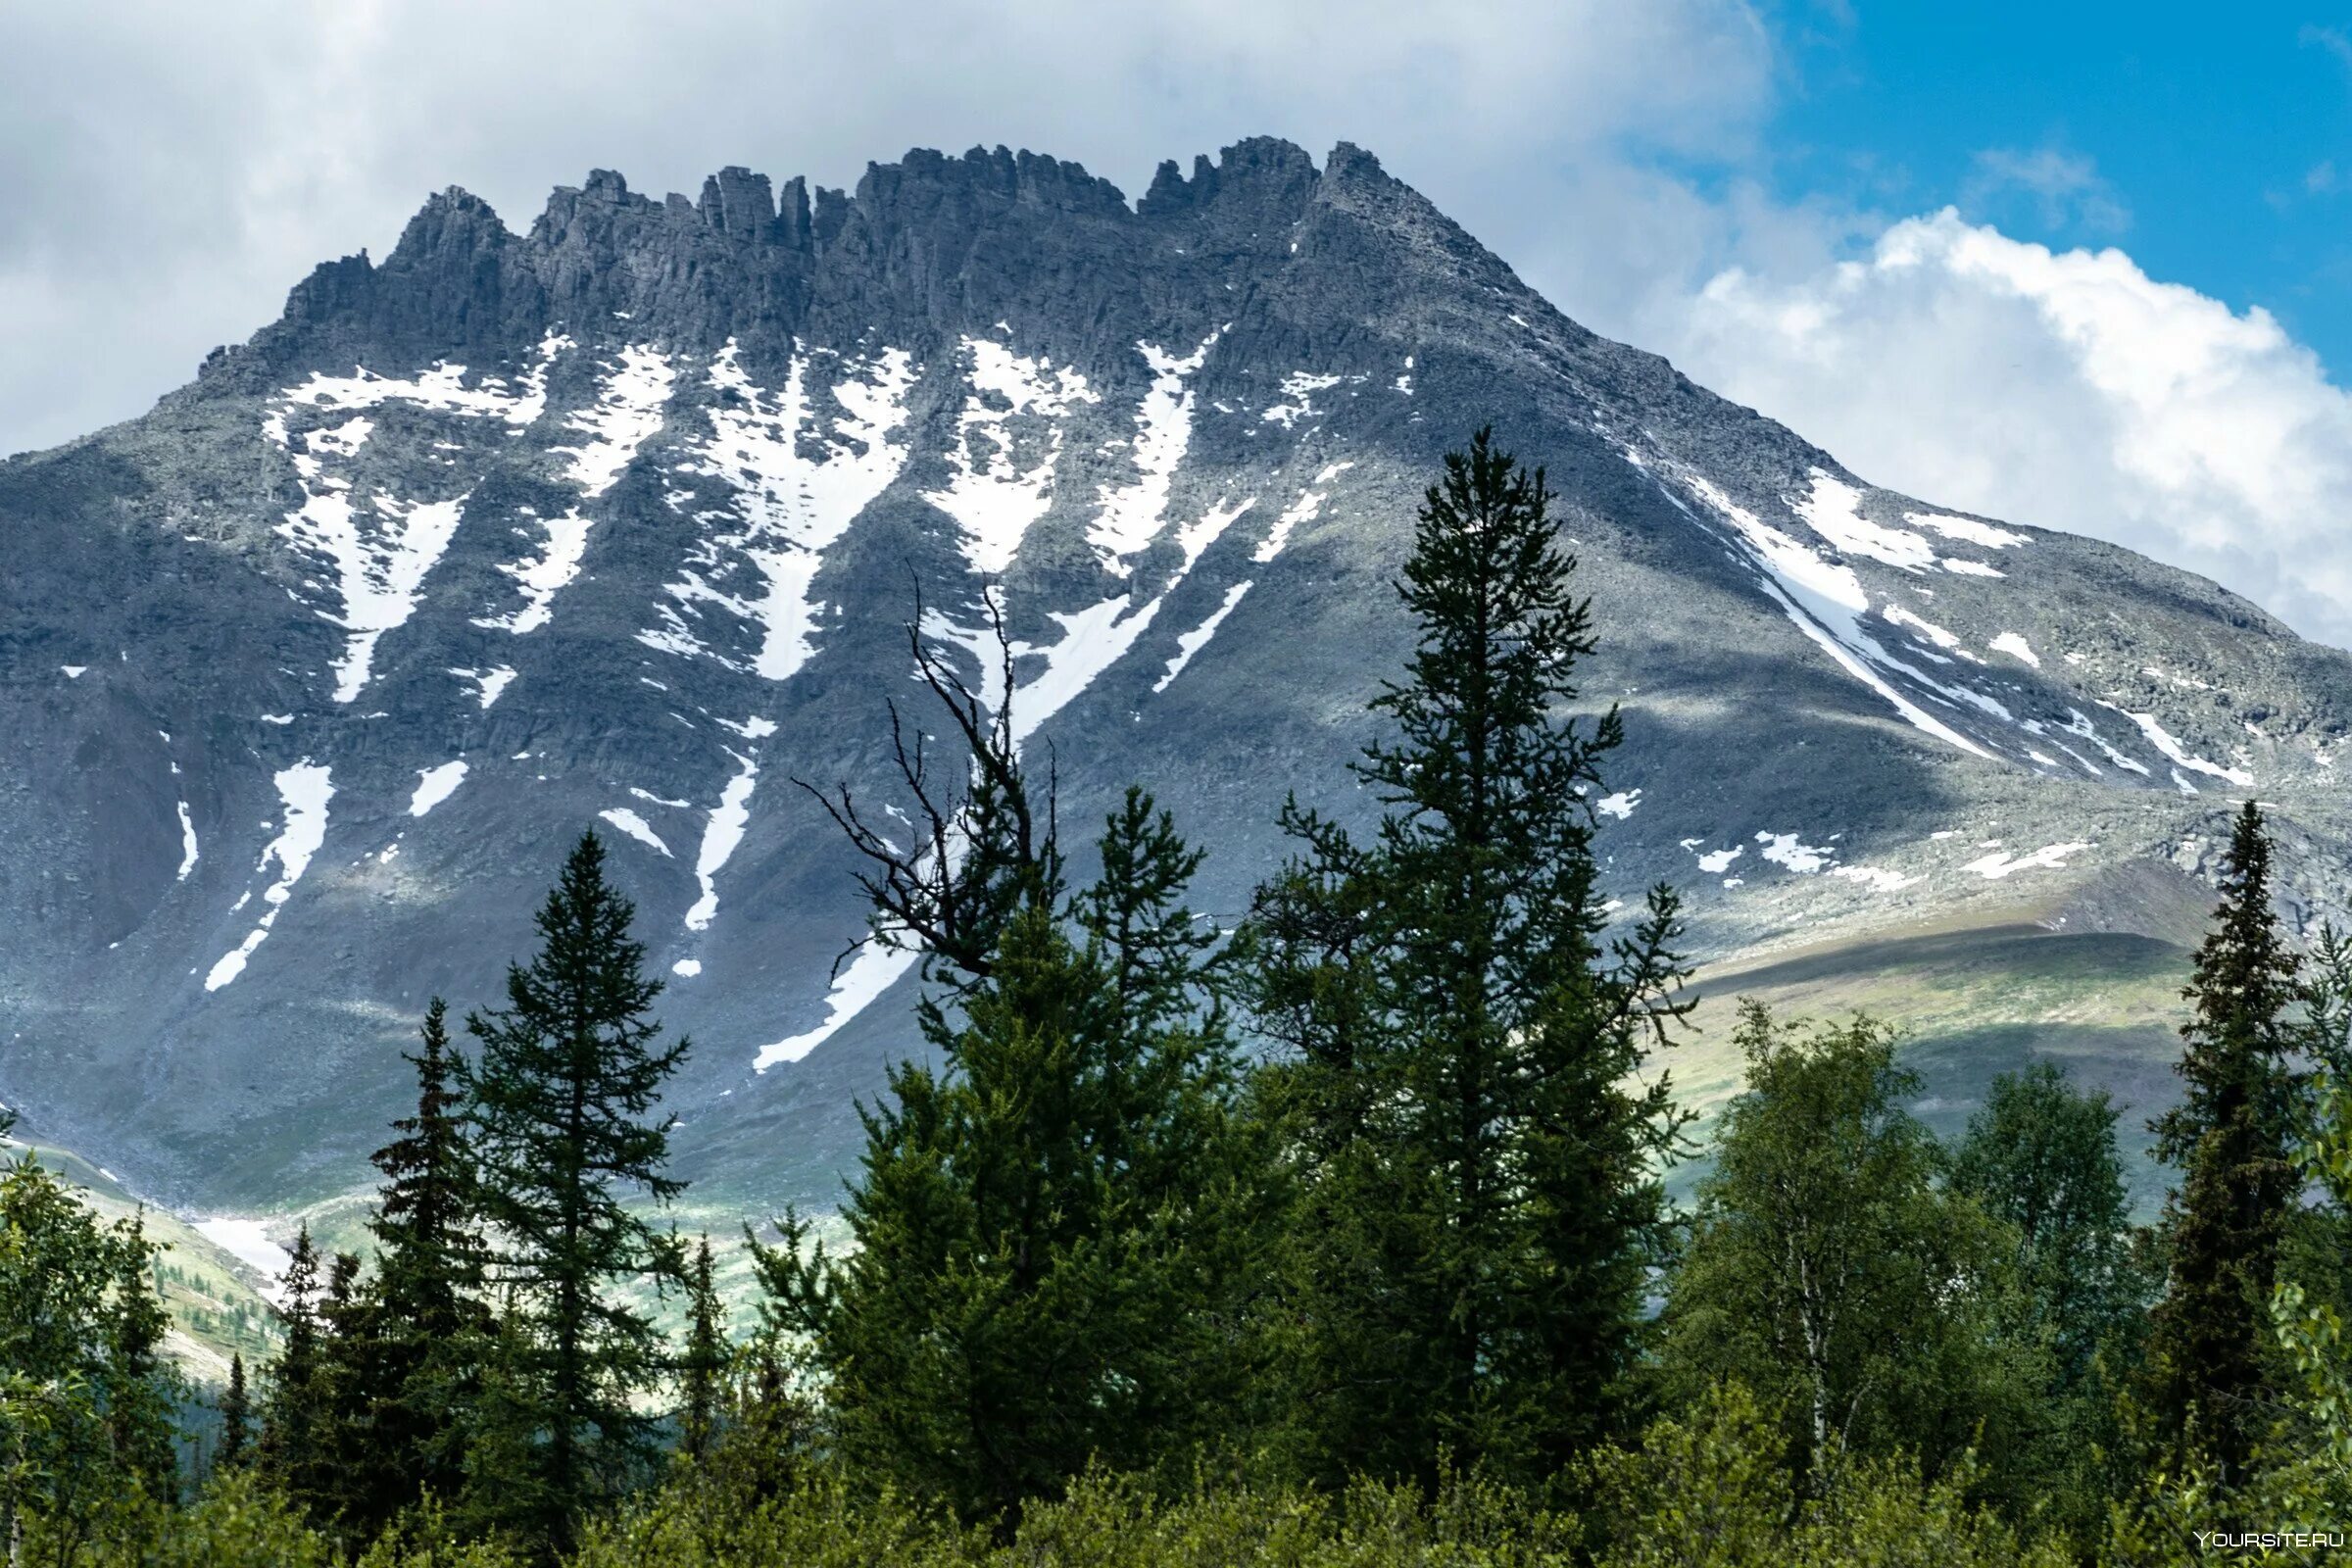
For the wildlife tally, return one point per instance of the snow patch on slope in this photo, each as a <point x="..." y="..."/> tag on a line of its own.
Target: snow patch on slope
<point x="1306" y="509"/>
<point x="991" y="498"/>
<point x="187" y="842"/>
<point x="875" y="968"/>
<point x="628" y="412"/>
<point x="1191" y="642"/>
<point x="1196" y="536"/>
<point x="1825" y="600"/>
<point x="2162" y="738"/>
<point x="380" y="552"/>
<point x="435" y="785"/>
<point x="1093" y="640"/>
<point x="1833" y="510"/>
<point x="2017" y="648"/>
<point x="1299" y="387"/>
<point x="625" y="416"/>
<point x="1131" y="514"/>
<point x="303" y="792"/>
<point x="1999" y="865"/>
<point x="636" y="827"/>
<point x="1974" y="533"/>
<point x="245" y="1241"/>
<point x="801" y="476"/>
<point x="488" y="684"/>
<point x="1787" y="851"/>
<point x="723" y="829"/>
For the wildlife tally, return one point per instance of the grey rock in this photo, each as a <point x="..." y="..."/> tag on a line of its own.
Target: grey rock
<point x="718" y="410"/>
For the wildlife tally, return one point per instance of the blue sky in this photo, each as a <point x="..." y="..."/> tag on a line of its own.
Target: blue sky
<point x="2214" y="144"/>
<point x="2078" y="265"/>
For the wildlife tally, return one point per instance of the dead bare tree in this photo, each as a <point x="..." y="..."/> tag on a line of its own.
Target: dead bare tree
<point x="984" y="847"/>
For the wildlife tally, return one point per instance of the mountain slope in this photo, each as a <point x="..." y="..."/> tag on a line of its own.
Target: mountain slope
<point x="310" y="674"/>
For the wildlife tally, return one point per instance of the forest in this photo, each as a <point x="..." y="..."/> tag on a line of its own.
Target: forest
<point x="1340" y="1237"/>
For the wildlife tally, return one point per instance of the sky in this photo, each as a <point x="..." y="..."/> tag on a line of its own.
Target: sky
<point x="2083" y="265"/>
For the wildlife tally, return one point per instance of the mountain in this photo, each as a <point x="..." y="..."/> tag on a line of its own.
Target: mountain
<point x="310" y="674"/>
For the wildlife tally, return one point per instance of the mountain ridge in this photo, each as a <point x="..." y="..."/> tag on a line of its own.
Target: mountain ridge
<point x="618" y="522"/>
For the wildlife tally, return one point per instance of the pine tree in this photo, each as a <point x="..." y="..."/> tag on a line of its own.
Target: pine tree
<point x="1480" y="1198"/>
<point x="702" y="1368"/>
<point x="2231" y="1139"/>
<point x="562" y="1103"/>
<point x="236" y="1420"/>
<point x="426" y="1314"/>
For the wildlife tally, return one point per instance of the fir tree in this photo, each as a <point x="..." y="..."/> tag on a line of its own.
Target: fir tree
<point x="563" y="1103"/>
<point x="702" y="1368"/>
<point x="2231" y="1140"/>
<point x="1481" y="1191"/>
<point x="236" y="1420"/>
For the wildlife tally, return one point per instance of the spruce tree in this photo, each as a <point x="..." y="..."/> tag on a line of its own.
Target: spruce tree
<point x="2231" y="1140"/>
<point x="562" y="1103"/>
<point x="236" y="1420"/>
<point x="702" y="1368"/>
<point x="342" y="1489"/>
<point x="140" y="1388"/>
<point x="1481" y="1194"/>
<point x="293" y="1420"/>
<point x="1057" y="1227"/>
<point x="427" y="1312"/>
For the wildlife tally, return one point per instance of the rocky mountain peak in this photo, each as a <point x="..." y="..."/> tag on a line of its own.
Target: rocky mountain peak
<point x="315" y="672"/>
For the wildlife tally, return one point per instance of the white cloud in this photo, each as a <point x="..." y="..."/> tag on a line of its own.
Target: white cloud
<point x="2067" y="389"/>
<point x="2066" y="188"/>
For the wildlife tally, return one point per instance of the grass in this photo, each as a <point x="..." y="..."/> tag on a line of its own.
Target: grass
<point x="1972" y="1001"/>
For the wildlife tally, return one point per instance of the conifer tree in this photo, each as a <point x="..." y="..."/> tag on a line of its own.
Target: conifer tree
<point x="1054" y="1228"/>
<point x="2231" y="1140"/>
<point x="236" y="1420"/>
<point x="344" y="1486"/>
<point x="1481" y="1193"/>
<point x="702" y="1368"/>
<point x="293" y="1422"/>
<point x="563" y="1103"/>
<point x="427" y="1312"/>
<point x="140" y="1390"/>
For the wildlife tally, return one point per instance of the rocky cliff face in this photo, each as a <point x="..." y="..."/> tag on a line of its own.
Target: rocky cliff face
<point x="310" y="674"/>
